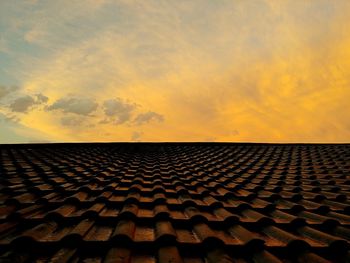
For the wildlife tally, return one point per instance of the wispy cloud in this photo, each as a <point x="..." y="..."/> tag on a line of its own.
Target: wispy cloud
<point x="6" y="90"/>
<point x="147" y="117"/>
<point x="136" y="136"/>
<point x="72" y="121"/>
<point x="190" y="70"/>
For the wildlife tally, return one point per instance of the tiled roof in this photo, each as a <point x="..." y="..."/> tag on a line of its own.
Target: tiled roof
<point x="175" y="203"/>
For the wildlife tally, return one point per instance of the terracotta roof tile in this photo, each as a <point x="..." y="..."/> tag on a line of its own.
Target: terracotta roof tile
<point x="177" y="202"/>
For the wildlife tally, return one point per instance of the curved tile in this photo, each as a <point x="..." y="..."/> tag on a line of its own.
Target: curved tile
<point x="200" y="203"/>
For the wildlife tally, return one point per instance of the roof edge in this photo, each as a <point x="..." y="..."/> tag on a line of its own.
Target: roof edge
<point x="68" y="144"/>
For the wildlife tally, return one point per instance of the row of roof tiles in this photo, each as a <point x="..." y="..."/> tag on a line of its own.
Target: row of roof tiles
<point x="243" y="212"/>
<point x="175" y="203"/>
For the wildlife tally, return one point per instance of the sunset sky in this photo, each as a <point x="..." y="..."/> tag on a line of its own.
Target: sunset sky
<point x="184" y="70"/>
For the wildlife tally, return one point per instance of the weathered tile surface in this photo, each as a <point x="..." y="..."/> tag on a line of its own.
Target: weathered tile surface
<point x="175" y="203"/>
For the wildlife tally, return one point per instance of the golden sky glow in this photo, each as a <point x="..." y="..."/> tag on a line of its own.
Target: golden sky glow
<point x="257" y="71"/>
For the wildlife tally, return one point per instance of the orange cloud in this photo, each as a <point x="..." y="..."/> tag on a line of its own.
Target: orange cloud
<point x="260" y="71"/>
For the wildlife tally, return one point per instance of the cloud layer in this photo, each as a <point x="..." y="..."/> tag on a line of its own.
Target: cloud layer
<point x="25" y="103"/>
<point x="118" y="110"/>
<point x="80" y="106"/>
<point x="144" y="118"/>
<point x="177" y="71"/>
